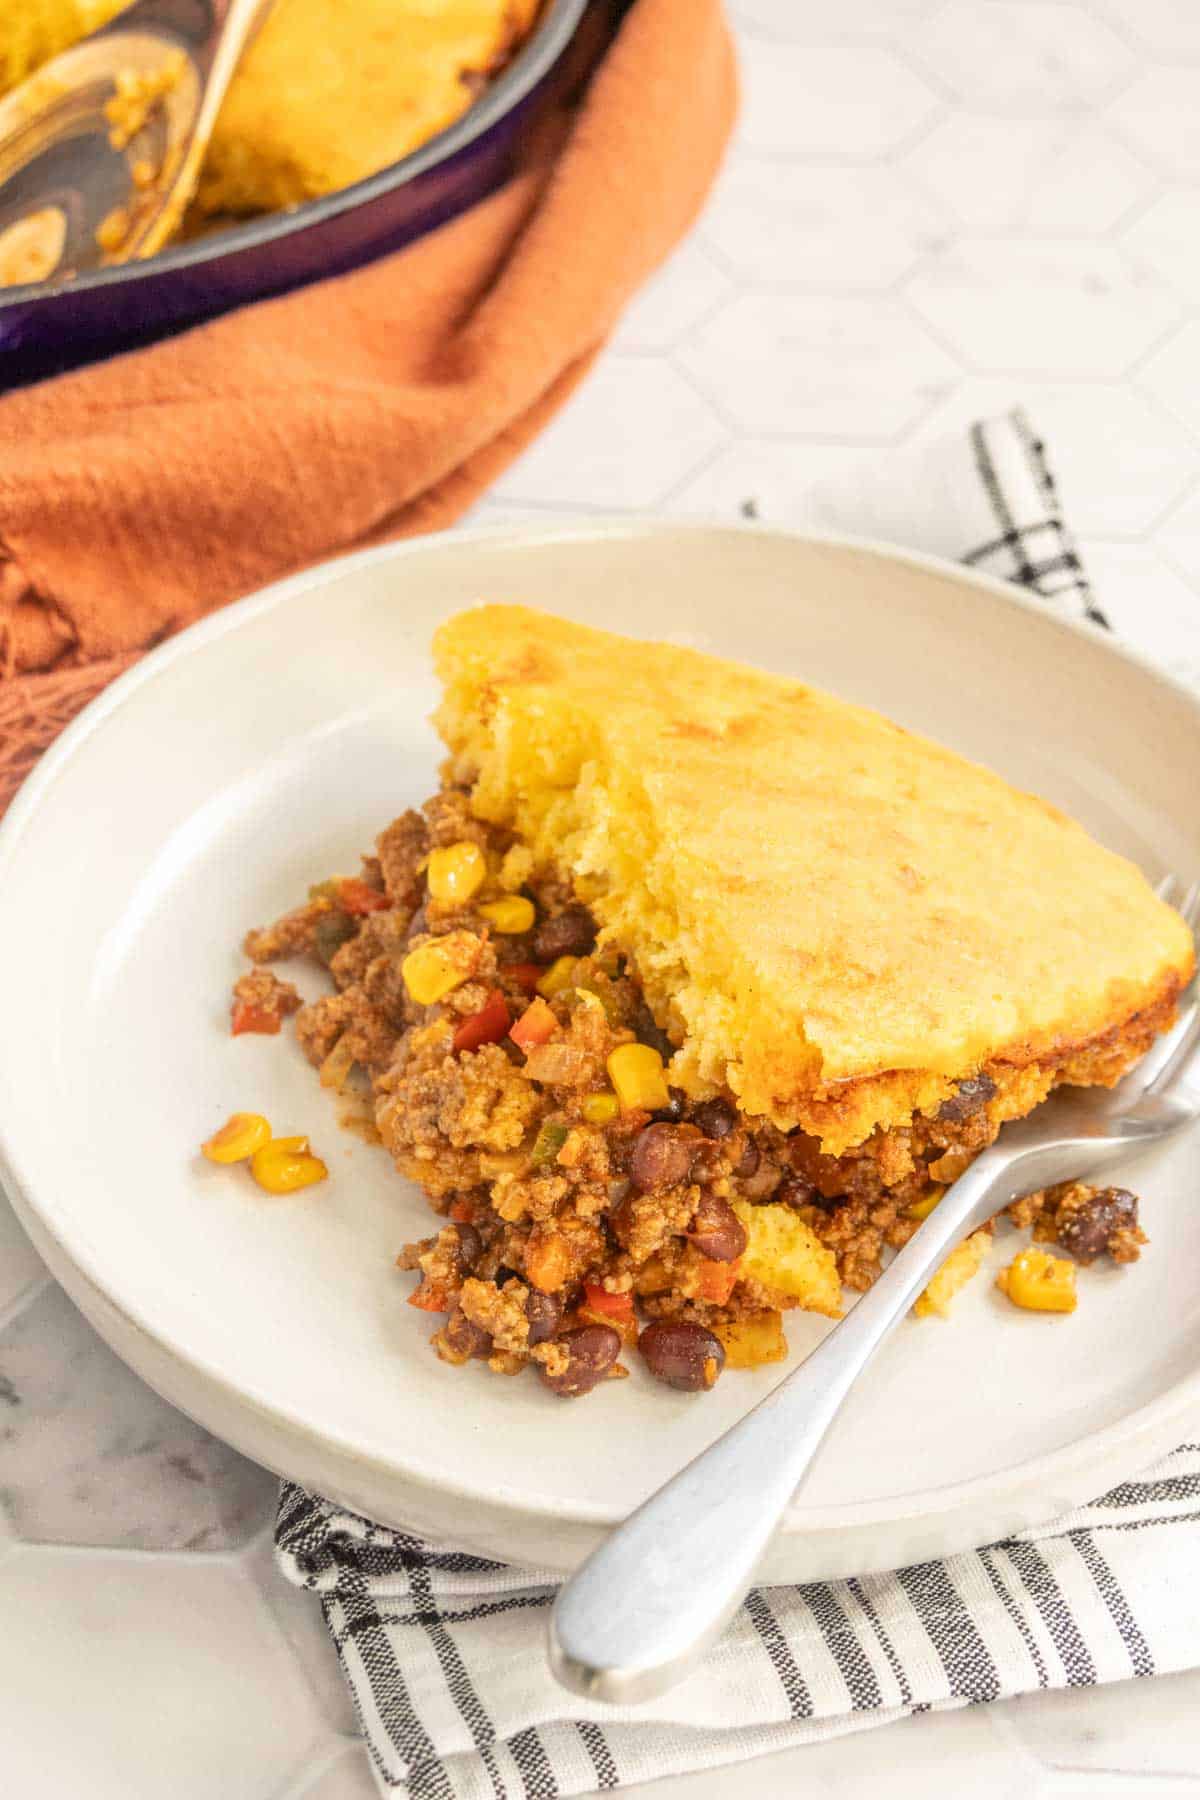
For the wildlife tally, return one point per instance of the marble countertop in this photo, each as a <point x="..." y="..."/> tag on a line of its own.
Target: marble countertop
<point x="935" y="209"/>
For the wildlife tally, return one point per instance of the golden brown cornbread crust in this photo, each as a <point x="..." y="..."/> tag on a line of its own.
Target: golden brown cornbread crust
<point x="835" y="919"/>
<point x="1023" y="1075"/>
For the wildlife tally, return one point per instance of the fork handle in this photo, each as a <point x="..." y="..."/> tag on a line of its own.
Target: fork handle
<point x="646" y="1605"/>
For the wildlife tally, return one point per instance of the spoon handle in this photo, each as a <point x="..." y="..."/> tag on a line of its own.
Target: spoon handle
<point x="646" y="1605"/>
<point x="200" y="24"/>
<point x="234" y="23"/>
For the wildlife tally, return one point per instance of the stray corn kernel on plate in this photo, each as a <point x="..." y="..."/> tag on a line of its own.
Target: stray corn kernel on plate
<point x="538" y="1039"/>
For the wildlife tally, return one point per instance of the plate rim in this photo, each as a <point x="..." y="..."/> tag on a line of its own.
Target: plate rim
<point x="1051" y="1471"/>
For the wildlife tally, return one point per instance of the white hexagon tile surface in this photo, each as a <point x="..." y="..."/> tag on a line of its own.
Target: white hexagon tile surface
<point x="935" y="209"/>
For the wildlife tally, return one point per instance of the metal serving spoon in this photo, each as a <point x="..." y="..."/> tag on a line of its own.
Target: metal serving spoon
<point x="635" y="1618"/>
<point x="101" y="148"/>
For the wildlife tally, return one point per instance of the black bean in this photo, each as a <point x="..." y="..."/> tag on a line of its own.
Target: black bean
<point x="1087" y="1231"/>
<point x="716" y="1230"/>
<point x="592" y="1350"/>
<point x="715" y="1118"/>
<point x="708" y="1161"/>
<point x="793" y="1190"/>
<point x="470" y="1245"/>
<point x="570" y="933"/>
<point x="761" y="1185"/>
<point x="970" y="1096"/>
<point x="662" y="1156"/>
<point x="544" y="1312"/>
<point x="674" y="1109"/>
<point x="747" y="1162"/>
<point x="650" y="1032"/>
<point x="463" y="1338"/>
<point x="682" y="1354"/>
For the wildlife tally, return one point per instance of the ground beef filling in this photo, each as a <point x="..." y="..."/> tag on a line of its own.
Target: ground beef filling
<point x="577" y="1231"/>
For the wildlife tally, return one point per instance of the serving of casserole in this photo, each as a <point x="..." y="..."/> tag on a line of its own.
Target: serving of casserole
<point x="691" y="991"/>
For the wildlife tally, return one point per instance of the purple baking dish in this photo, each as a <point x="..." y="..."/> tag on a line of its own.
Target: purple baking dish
<point x="44" y="330"/>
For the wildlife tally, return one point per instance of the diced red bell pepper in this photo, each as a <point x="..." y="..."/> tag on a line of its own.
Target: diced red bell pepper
<point x="618" y="1307"/>
<point x="359" y="899"/>
<point x="246" y="1017"/>
<point x="536" y="1025"/>
<point x="717" y="1280"/>
<point x="526" y="975"/>
<point x="487" y="1026"/>
<point x="463" y="1212"/>
<point x="429" y="1297"/>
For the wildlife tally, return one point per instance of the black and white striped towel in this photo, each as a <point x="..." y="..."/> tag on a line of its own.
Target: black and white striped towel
<point x="443" y="1650"/>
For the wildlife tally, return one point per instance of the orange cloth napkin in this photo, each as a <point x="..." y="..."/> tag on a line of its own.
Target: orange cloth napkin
<point x="139" y="494"/>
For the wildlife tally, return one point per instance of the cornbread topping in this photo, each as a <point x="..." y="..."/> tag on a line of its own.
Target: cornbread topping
<point x="325" y="95"/>
<point x="835" y="918"/>
<point x="606" y="993"/>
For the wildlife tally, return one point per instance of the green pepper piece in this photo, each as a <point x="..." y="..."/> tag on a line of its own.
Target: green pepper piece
<point x="550" y="1140"/>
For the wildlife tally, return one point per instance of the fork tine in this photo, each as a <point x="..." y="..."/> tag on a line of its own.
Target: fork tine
<point x="1179" y="1046"/>
<point x="1189" y="910"/>
<point x="1159" y="1057"/>
<point x="1163" y="1059"/>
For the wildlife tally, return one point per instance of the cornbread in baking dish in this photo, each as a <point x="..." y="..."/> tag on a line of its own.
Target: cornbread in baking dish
<point x="834" y="918"/>
<point x="329" y="91"/>
<point x="692" y="990"/>
<point x="333" y="90"/>
<point x="32" y="31"/>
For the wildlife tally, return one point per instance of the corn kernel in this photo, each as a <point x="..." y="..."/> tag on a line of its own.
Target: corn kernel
<point x="654" y="1277"/>
<point x="749" y="1343"/>
<point x="637" y="1073"/>
<point x="239" y="1137"/>
<point x="511" y="915"/>
<point x="433" y="970"/>
<point x="456" y="873"/>
<point x="557" y="976"/>
<point x="601" y="1109"/>
<point x="516" y="868"/>
<point x="963" y="1262"/>
<point x="548" y="1261"/>
<point x="1039" y="1282"/>
<point x="286" y="1164"/>
<point x="921" y="1209"/>
<point x="496" y="1163"/>
<point x="112" y="229"/>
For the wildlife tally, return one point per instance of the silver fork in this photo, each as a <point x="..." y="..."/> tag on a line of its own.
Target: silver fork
<point x="646" y="1605"/>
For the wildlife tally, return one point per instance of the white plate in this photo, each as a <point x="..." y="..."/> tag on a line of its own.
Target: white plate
<point x="259" y="752"/>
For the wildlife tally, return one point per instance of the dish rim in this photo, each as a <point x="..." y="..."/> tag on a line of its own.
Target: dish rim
<point x="1053" y="1469"/>
<point x="532" y="62"/>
